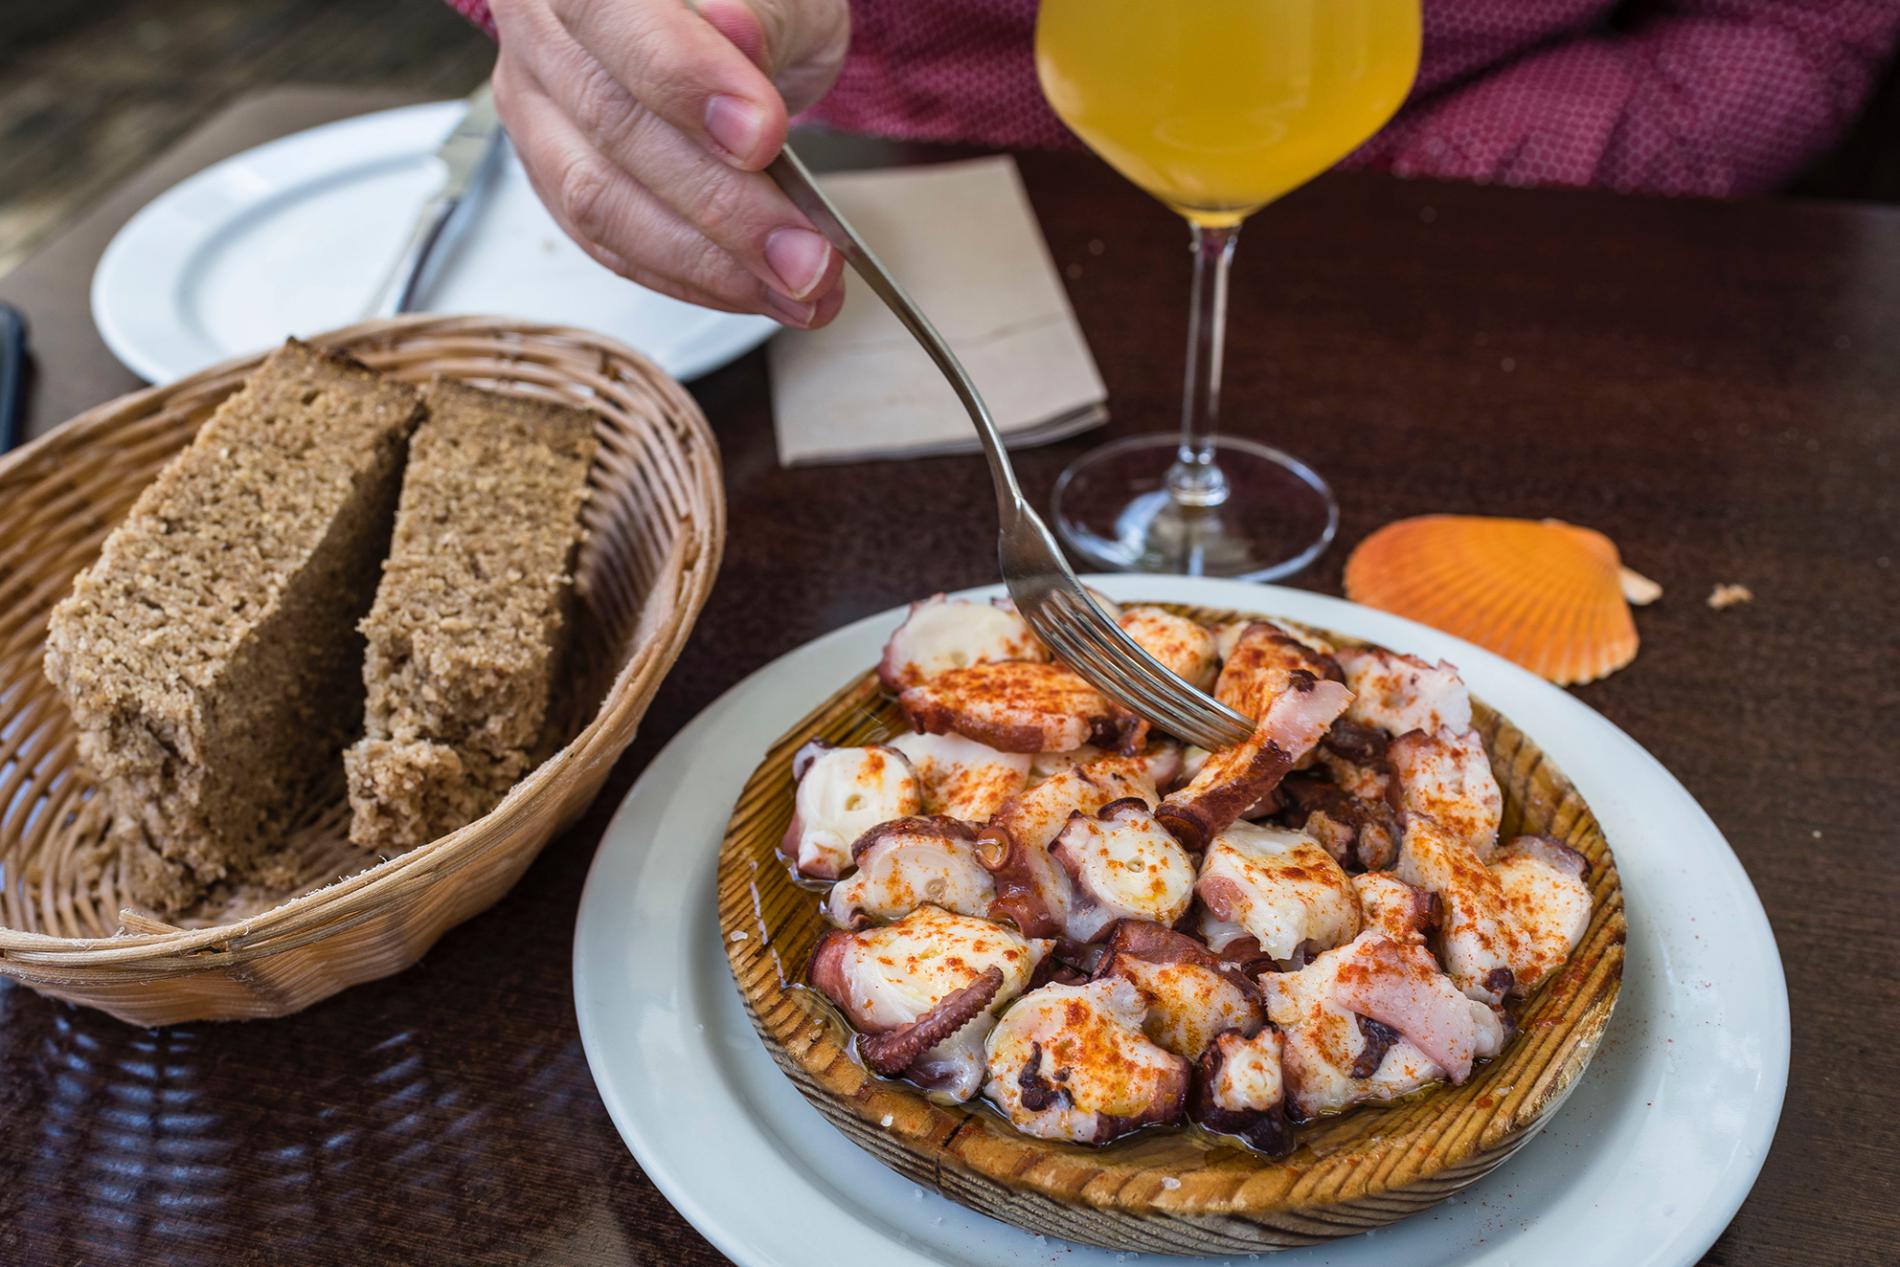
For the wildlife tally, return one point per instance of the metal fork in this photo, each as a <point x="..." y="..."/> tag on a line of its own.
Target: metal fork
<point x="1039" y="579"/>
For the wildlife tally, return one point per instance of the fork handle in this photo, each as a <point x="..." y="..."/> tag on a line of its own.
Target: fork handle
<point x="794" y="178"/>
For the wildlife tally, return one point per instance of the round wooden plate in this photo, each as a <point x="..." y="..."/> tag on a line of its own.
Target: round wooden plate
<point x="1181" y="1190"/>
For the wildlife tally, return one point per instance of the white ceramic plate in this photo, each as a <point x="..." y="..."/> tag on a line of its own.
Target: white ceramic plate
<point x="1645" y="1163"/>
<point x="294" y="237"/>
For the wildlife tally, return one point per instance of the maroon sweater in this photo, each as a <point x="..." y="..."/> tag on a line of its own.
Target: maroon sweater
<point x="1714" y="97"/>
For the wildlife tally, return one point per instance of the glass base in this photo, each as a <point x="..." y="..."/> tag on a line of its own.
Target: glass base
<point x="1272" y="516"/>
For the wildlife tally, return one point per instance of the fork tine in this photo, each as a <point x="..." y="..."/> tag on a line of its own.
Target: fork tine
<point x="1179" y="702"/>
<point x="1084" y="642"/>
<point x="1134" y="692"/>
<point x="1095" y="651"/>
<point x="1153" y="680"/>
<point x="1137" y="688"/>
<point x="1128" y="691"/>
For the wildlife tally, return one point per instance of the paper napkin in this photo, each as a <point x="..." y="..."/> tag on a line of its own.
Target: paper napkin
<point x="962" y="239"/>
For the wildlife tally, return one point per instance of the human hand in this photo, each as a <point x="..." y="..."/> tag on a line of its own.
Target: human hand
<point x="644" y="126"/>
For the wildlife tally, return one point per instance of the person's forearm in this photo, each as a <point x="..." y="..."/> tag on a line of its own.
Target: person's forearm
<point x="1703" y="98"/>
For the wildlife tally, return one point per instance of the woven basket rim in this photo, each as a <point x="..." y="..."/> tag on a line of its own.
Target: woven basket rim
<point x="220" y="945"/>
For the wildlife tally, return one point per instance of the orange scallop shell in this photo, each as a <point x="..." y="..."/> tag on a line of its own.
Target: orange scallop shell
<point x="1545" y="594"/>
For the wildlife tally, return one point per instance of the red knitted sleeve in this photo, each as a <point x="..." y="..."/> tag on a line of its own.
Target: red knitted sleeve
<point x="1712" y="97"/>
<point x="475" y="11"/>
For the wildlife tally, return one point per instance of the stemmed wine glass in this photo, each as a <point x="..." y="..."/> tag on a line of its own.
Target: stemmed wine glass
<point x="1216" y="107"/>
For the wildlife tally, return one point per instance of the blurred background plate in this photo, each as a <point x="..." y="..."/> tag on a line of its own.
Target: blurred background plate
<point x="294" y="236"/>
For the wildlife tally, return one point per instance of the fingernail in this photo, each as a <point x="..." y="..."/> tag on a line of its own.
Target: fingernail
<point x="736" y="125"/>
<point x="790" y="311"/>
<point x="798" y="257"/>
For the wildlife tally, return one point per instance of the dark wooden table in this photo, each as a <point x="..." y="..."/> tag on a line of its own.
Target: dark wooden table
<point x="1717" y="386"/>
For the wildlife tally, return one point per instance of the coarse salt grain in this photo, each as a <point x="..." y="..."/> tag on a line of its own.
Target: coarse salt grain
<point x="1170" y="1182"/>
<point x="738" y="934"/>
<point x="885" y="1121"/>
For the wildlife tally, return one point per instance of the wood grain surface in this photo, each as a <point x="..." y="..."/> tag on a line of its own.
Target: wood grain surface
<point x="1712" y="384"/>
<point x="89" y="92"/>
<point x="1169" y="1190"/>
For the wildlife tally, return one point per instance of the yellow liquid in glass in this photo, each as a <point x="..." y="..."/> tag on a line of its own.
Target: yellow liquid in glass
<point x="1217" y="107"/>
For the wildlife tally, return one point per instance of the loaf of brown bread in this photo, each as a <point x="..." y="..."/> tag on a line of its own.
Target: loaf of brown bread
<point x="210" y="656"/>
<point x="471" y="615"/>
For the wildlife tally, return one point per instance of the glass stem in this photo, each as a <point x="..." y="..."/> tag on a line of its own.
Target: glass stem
<point x="1194" y="479"/>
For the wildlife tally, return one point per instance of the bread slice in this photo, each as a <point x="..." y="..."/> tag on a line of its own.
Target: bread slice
<point x="209" y="656"/>
<point x="471" y="615"/>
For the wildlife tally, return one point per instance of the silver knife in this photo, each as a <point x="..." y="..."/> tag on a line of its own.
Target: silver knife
<point x="465" y="154"/>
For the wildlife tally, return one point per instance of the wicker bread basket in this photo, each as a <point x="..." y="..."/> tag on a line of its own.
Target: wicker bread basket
<point x="656" y="526"/>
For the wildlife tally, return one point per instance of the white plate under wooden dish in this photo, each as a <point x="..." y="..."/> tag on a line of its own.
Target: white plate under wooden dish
<point x="1667" y="1131"/>
<point x="1171" y="1190"/>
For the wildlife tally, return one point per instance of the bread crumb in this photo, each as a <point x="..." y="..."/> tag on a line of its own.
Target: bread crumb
<point x="1725" y="596"/>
